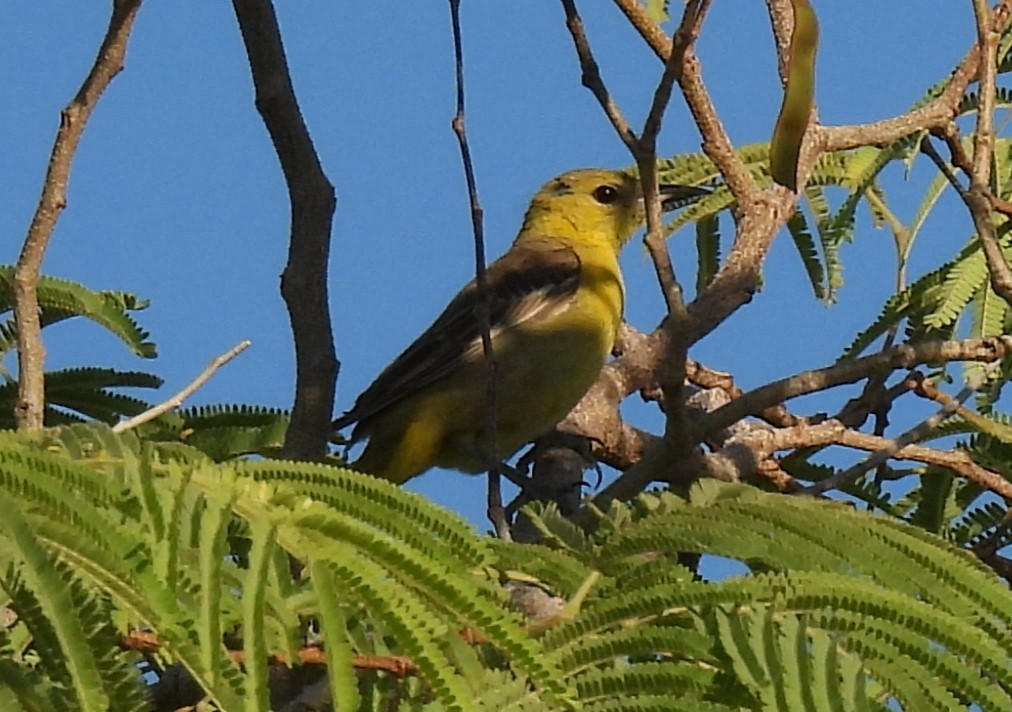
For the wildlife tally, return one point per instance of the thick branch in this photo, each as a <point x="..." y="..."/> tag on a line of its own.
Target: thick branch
<point x="304" y="280"/>
<point x="30" y="409"/>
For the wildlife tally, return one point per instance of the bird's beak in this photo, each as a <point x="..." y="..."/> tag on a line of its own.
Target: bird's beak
<point x="678" y="196"/>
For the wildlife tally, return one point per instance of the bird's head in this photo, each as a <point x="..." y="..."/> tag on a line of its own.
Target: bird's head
<point x="596" y="204"/>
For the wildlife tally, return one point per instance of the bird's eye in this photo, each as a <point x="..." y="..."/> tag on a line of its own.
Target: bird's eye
<point x="605" y="194"/>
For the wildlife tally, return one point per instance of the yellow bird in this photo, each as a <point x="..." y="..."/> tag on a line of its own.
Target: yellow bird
<point x="556" y="300"/>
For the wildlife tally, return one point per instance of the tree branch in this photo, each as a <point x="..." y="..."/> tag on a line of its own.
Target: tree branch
<point x="760" y="215"/>
<point x="978" y="197"/>
<point x="646" y="159"/>
<point x="304" y="280"/>
<point x="904" y="356"/>
<point x="496" y="513"/>
<point x="591" y="78"/>
<point x="832" y="432"/>
<point x="936" y="114"/>
<point x="30" y="409"/>
<point x="178" y="399"/>
<point x="895" y="445"/>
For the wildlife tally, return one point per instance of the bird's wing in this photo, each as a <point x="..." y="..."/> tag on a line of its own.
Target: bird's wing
<point x="526" y="283"/>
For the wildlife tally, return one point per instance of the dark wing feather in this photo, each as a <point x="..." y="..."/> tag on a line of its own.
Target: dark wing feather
<point x="524" y="283"/>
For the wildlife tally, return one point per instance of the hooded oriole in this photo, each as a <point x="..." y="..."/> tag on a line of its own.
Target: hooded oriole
<point x="556" y="300"/>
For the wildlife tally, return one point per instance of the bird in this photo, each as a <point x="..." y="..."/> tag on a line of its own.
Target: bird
<point x="555" y="303"/>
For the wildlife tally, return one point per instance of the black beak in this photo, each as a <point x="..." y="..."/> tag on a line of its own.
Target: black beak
<point x="678" y="196"/>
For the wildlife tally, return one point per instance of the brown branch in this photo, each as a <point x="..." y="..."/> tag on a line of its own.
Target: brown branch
<point x="762" y="444"/>
<point x="304" y="280"/>
<point x="650" y="31"/>
<point x="704" y="377"/>
<point x="496" y="513"/>
<point x="959" y="461"/>
<point x="950" y="134"/>
<point x="670" y="373"/>
<point x="905" y="356"/>
<point x="716" y="144"/>
<point x="760" y="216"/>
<point x="30" y="409"/>
<point x="935" y="114"/>
<point x="177" y="400"/>
<point x="646" y="159"/>
<point x="781" y="14"/>
<point x="148" y="642"/>
<point x="928" y="150"/>
<point x="644" y="459"/>
<point x="737" y="280"/>
<point x="978" y="197"/>
<point x="894" y="445"/>
<point x="591" y="78"/>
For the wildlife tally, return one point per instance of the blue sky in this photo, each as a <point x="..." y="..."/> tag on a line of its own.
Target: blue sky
<point x="176" y="193"/>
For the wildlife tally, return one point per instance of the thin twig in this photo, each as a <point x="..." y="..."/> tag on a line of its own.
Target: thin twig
<point x="646" y="158"/>
<point x="895" y="445"/>
<point x="496" y="512"/>
<point x="716" y="143"/>
<point x="761" y="444"/>
<point x="177" y="400"/>
<point x="903" y="356"/>
<point x="399" y="665"/>
<point x="311" y="195"/>
<point x="928" y="149"/>
<point x="30" y="409"/>
<point x="671" y="369"/>
<point x="591" y="78"/>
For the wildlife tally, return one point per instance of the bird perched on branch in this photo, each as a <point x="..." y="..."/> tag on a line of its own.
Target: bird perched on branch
<point x="555" y="303"/>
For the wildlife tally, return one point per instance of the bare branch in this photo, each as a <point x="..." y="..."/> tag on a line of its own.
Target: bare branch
<point x="738" y="278"/>
<point x="936" y="114"/>
<point x="496" y="513"/>
<point x="178" y="399"/>
<point x="716" y="143"/>
<point x="904" y="356"/>
<point x="894" y="445"/>
<point x="833" y="432"/>
<point x="591" y="78"/>
<point x="929" y="150"/>
<point x="304" y="280"/>
<point x="30" y="409"/>
<point x="761" y="214"/>
<point x="978" y="197"/>
<point x="782" y="22"/>
<point x="646" y="158"/>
